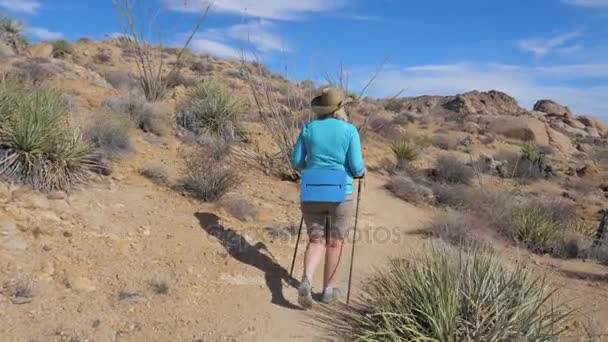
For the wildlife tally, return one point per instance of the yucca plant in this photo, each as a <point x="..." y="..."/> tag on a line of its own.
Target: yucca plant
<point x="210" y="108"/>
<point x="536" y="227"/>
<point x="449" y="296"/>
<point x="405" y="150"/>
<point x="39" y="145"/>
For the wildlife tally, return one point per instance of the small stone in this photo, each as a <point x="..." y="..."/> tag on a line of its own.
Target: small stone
<point x="57" y="195"/>
<point x="20" y="300"/>
<point x="67" y="234"/>
<point x="83" y="284"/>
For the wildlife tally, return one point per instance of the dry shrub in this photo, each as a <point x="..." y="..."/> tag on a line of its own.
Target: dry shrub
<point x="155" y="171"/>
<point x="36" y="70"/>
<point x="457" y="196"/>
<point x="515" y="165"/>
<point x="121" y="80"/>
<point x="110" y="133"/>
<point x="62" y="48"/>
<point x="455" y="228"/>
<point x="448" y="295"/>
<point x="450" y="170"/>
<point x="178" y="79"/>
<point x="202" y="68"/>
<point x="149" y="117"/>
<point x="207" y="175"/>
<point x="408" y="190"/>
<point x="102" y="57"/>
<point x="241" y="209"/>
<point x="38" y="143"/>
<point x="445" y="141"/>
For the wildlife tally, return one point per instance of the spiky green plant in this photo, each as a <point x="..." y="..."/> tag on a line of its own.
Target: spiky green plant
<point x="532" y="152"/>
<point x="405" y="150"/>
<point x="211" y="108"/>
<point x="40" y="146"/>
<point x="449" y="296"/>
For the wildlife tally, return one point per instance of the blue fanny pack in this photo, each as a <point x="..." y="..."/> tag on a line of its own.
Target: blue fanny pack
<point x="323" y="185"/>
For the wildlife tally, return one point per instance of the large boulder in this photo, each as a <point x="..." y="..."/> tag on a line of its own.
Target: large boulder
<point x="552" y="108"/>
<point x="590" y="122"/>
<point x="491" y="102"/>
<point x="42" y="50"/>
<point x="561" y="142"/>
<point x="521" y="128"/>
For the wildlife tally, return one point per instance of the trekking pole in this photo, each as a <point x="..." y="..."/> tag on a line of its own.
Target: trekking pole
<point x="352" y="257"/>
<point x="295" y="253"/>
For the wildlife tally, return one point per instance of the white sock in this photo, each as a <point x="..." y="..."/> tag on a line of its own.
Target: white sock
<point x="307" y="277"/>
<point x="328" y="290"/>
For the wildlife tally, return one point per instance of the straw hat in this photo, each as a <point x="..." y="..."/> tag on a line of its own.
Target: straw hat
<point x="330" y="100"/>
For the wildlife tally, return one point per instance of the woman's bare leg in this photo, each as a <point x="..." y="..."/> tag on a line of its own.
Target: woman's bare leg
<point x="333" y="255"/>
<point x="313" y="255"/>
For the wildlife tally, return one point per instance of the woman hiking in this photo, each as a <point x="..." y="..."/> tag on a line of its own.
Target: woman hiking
<point x="328" y="142"/>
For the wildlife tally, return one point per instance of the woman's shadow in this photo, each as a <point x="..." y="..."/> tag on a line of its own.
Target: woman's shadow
<point x="240" y="249"/>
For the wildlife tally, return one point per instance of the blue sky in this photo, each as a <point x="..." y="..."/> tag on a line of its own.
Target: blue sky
<point x="531" y="49"/>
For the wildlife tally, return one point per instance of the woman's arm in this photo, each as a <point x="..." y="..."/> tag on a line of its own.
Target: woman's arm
<point x="298" y="157"/>
<point x="354" y="155"/>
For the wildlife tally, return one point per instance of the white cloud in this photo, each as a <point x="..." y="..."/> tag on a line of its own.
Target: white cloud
<point x="43" y="34"/>
<point x="268" y="9"/>
<point x="215" y="48"/>
<point x="588" y="3"/>
<point x="543" y="46"/>
<point x="260" y="34"/>
<point x="564" y="84"/>
<point x="21" y="6"/>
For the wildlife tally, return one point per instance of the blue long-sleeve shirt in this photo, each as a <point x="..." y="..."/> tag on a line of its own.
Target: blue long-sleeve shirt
<point x="330" y="144"/>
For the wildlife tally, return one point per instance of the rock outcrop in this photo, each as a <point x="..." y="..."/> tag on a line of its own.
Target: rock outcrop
<point x="491" y="102"/>
<point x="552" y="108"/>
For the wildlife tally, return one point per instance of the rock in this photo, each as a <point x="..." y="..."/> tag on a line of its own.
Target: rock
<point x="561" y="142"/>
<point x="44" y="50"/>
<point x="57" y="195"/>
<point x="12" y="243"/>
<point x="490" y="102"/>
<point x="567" y="129"/>
<point x="21" y="300"/>
<point x="48" y="216"/>
<point x="553" y="108"/>
<point x="79" y="283"/>
<point x="522" y="128"/>
<point x="588" y="169"/>
<point x="600" y="126"/>
<point x="574" y="123"/>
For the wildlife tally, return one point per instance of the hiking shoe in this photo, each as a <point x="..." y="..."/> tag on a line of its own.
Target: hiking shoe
<point x="305" y="294"/>
<point x="328" y="298"/>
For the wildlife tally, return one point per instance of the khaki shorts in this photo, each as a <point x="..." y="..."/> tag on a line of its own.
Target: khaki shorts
<point x="340" y="216"/>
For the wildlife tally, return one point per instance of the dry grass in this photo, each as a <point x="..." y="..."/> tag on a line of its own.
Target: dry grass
<point x="62" y="48"/>
<point x="408" y="190"/>
<point x="110" y="133"/>
<point x="206" y="173"/>
<point x="241" y="209"/>
<point x="445" y="141"/>
<point x="450" y="170"/>
<point x="147" y="116"/>
<point x="155" y="171"/>
<point x="454" y="228"/>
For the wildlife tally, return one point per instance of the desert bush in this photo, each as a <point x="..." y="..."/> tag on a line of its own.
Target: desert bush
<point x="206" y="173"/>
<point x="200" y="67"/>
<point x="10" y="25"/>
<point x="209" y="108"/>
<point x="405" y="151"/>
<point x="408" y="190"/>
<point x="240" y="208"/>
<point x="449" y="169"/>
<point x="151" y="60"/>
<point x="456" y="196"/>
<point x="445" y="142"/>
<point x="178" y="79"/>
<point x="109" y="132"/>
<point x="447" y="295"/>
<point x="455" y="228"/>
<point x="62" y="48"/>
<point x="155" y="171"/>
<point x="121" y="80"/>
<point x="516" y="166"/>
<point x="149" y="117"/>
<point x="38" y="143"/>
<point x="583" y="228"/>
<point x="36" y="70"/>
<point x="538" y="225"/>
<point x="103" y="58"/>
<point x="570" y="245"/>
<point x="404" y="119"/>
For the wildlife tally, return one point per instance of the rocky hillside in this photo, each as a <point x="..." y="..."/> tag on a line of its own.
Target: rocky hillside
<point x="138" y="248"/>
